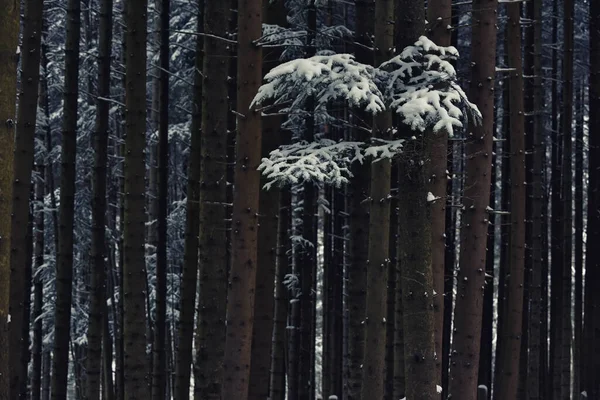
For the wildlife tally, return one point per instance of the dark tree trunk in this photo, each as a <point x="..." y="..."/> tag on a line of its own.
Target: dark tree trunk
<point x="307" y="255"/>
<point x="507" y="376"/>
<point x="9" y="36"/>
<point x="264" y="303"/>
<point x="536" y="295"/>
<point x="240" y="295"/>
<point x="210" y="334"/>
<point x="373" y="368"/>
<point x="135" y="366"/>
<point x="64" y="263"/>
<point x="440" y="13"/>
<point x="159" y="364"/>
<point x="578" y="241"/>
<point x="278" y="362"/>
<point x="471" y="277"/>
<point x="23" y="164"/>
<point x="192" y="228"/>
<point x="358" y="191"/>
<point x="98" y="276"/>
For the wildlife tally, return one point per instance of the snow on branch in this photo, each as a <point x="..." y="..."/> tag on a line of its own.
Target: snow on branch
<point x="381" y="149"/>
<point x="326" y="78"/>
<point x="420" y="85"/>
<point x="324" y="161"/>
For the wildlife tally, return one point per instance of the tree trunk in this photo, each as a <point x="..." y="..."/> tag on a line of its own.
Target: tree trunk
<point x="159" y="364"/>
<point x="210" y="335"/>
<point x="307" y="254"/>
<point x="98" y="276"/>
<point x="557" y="225"/>
<point x="192" y="228"/>
<point x="415" y="237"/>
<point x="507" y="376"/>
<point x="264" y="303"/>
<point x="9" y="32"/>
<point x="567" y="182"/>
<point x="23" y="164"/>
<point x="37" y="345"/>
<point x="578" y="241"/>
<point x="240" y="295"/>
<point x="471" y="277"/>
<point x="373" y="368"/>
<point x="538" y="215"/>
<point x="439" y="12"/>
<point x="64" y="262"/>
<point x="134" y="269"/>
<point x="277" y="379"/>
<point x="358" y="191"/>
<point x="267" y="257"/>
<point x="108" y="390"/>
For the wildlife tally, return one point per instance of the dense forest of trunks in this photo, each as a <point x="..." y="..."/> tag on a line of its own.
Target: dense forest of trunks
<point x="212" y="199"/>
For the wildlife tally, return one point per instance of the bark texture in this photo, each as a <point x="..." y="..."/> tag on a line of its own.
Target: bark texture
<point x="23" y="164"/>
<point x="507" y="376"/>
<point x="242" y="278"/>
<point x="210" y="334"/>
<point x="135" y="366"/>
<point x="159" y="362"/>
<point x="471" y="277"/>
<point x="538" y="215"/>
<point x="358" y="191"/>
<point x="439" y="12"/>
<point x="373" y="368"/>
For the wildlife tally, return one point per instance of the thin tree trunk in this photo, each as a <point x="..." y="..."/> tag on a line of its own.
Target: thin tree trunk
<point x="567" y="181"/>
<point x="98" y="276"/>
<point x="536" y="295"/>
<point x="64" y="267"/>
<point x="507" y="376"/>
<point x="159" y="364"/>
<point x="557" y="225"/>
<point x="578" y="241"/>
<point x="108" y="390"/>
<point x="240" y="295"/>
<point x="37" y="345"/>
<point x="471" y="277"/>
<point x="277" y="379"/>
<point x="135" y="366"/>
<point x="307" y="255"/>
<point x="192" y="227"/>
